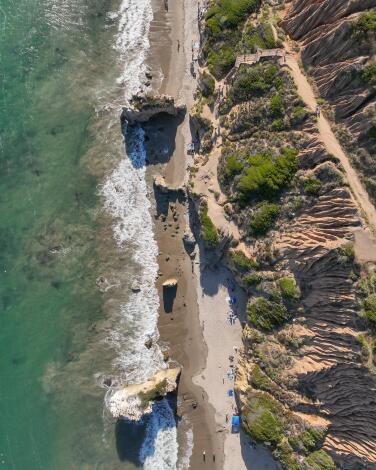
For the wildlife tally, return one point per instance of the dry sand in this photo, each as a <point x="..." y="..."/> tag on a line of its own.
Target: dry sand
<point x="198" y="298"/>
<point x="221" y="338"/>
<point x="178" y="321"/>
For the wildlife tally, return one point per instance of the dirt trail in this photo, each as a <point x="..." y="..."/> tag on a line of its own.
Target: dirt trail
<point x="331" y="143"/>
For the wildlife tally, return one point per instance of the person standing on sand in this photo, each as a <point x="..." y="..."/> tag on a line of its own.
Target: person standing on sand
<point x="178" y="45"/>
<point x="318" y="111"/>
<point x="203" y="456"/>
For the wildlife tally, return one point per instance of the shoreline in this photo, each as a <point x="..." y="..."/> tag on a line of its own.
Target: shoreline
<point x="180" y="329"/>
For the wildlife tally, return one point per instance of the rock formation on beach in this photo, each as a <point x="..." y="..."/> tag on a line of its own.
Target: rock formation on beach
<point x="133" y="401"/>
<point x="145" y="106"/>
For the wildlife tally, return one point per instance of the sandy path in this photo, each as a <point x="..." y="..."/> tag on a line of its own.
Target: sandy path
<point x="331" y="143"/>
<point x="221" y="337"/>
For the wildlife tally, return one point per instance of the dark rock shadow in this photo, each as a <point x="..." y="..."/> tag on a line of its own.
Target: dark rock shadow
<point x="163" y="199"/>
<point x="130" y="435"/>
<point x="169" y="295"/>
<point x="152" y="142"/>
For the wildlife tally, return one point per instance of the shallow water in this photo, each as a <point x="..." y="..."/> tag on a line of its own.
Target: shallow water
<point x="60" y="97"/>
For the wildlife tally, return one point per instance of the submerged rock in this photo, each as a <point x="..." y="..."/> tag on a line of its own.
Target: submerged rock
<point x="143" y="107"/>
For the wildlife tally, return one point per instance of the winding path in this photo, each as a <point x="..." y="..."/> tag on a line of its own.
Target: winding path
<point x="331" y="143"/>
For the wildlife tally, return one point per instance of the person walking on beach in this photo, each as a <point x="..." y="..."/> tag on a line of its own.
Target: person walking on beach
<point x="178" y="45"/>
<point x="204" y="456"/>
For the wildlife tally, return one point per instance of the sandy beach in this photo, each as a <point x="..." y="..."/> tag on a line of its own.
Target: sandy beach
<point x="171" y="36"/>
<point x="193" y="324"/>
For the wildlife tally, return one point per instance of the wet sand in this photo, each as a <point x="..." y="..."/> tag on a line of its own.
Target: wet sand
<point x="179" y="324"/>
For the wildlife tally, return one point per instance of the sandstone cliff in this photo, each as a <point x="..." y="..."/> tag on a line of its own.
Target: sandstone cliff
<point x="338" y="46"/>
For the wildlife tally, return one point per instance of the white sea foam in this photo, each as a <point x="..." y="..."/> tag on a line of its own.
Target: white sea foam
<point x="133" y="42"/>
<point x="125" y="194"/>
<point x="159" y="450"/>
<point x="184" y="462"/>
<point x="126" y="198"/>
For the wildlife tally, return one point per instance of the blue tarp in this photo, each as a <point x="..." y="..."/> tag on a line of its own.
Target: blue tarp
<point x="235" y="420"/>
<point x="230" y="393"/>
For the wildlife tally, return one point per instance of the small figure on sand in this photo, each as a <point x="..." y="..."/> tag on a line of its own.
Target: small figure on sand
<point x="178" y="45"/>
<point x="318" y="111"/>
<point x="203" y="456"/>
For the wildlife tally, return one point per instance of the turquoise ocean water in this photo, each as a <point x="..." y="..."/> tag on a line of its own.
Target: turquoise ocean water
<point x="56" y="56"/>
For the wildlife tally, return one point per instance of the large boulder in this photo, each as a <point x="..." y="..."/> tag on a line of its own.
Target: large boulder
<point x="133" y="401"/>
<point x="143" y="107"/>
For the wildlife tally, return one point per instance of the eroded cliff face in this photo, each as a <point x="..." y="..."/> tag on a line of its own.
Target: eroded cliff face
<point x="335" y="51"/>
<point x="304" y="385"/>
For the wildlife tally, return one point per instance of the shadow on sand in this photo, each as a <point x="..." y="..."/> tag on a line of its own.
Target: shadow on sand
<point x="136" y="440"/>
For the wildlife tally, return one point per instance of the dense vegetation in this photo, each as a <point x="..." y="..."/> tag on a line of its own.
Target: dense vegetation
<point x="268" y="175"/>
<point x="266" y="421"/>
<point x="223" y="23"/>
<point x="158" y="391"/>
<point x="257" y="37"/>
<point x="208" y="231"/>
<point x="263" y="218"/>
<point x="369" y="74"/>
<point x="242" y="262"/>
<point x="255" y="81"/>
<point x="365" y="24"/>
<point x="267" y="315"/>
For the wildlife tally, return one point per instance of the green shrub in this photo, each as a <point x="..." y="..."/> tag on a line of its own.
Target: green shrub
<point x="225" y="14"/>
<point x="289" y="289"/>
<point x="221" y="61"/>
<point x="311" y="438"/>
<point x="253" y="81"/>
<point x="346" y="255"/>
<point x="312" y="186"/>
<point x="365" y="24"/>
<point x="266" y="315"/>
<point x="369" y="74"/>
<point x="263" y="420"/>
<point x="276" y="108"/>
<point x="252" y="279"/>
<point x="209" y="232"/>
<point x="260" y="37"/>
<point x="285" y="455"/>
<point x="159" y="390"/>
<point x="264" y="218"/>
<point x="369" y="309"/>
<point x="298" y="115"/>
<point x="207" y="84"/>
<point x="268" y="175"/>
<point x="320" y="460"/>
<point x="259" y="379"/>
<point x="233" y="166"/>
<point x="278" y="125"/>
<point x="242" y="262"/>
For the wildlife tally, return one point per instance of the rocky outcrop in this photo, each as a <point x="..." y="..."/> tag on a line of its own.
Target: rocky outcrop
<point x="305" y="16"/>
<point x="161" y="185"/>
<point x="133" y="401"/>
<point x="144" y="107"/>
<point x="335" y="56"/>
